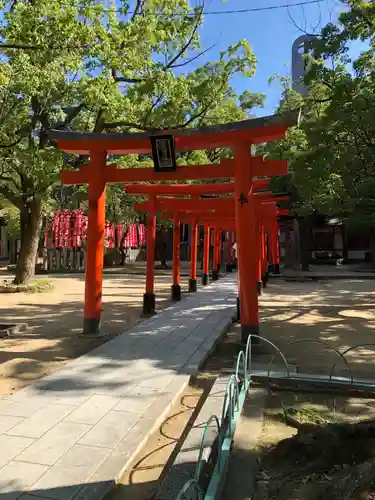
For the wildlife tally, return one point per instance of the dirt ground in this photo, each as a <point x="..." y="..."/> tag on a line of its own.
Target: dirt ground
<point x="294" y="464"/>
<point x="55" y="321"/>
<point x="309" y="320"/>
<point x="337" y="312"/>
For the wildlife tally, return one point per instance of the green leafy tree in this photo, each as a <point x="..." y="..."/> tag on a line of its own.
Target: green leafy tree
<point x="87" y="67"/>
<point x="331" y="155"/>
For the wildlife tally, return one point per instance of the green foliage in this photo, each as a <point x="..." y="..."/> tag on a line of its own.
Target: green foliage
<point x="104" y="69"/>
<point x="12" y="216"/>
<point x="331" y="155"/>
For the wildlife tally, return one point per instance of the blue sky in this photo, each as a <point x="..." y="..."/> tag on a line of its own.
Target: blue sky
<point x="270" y="33"/>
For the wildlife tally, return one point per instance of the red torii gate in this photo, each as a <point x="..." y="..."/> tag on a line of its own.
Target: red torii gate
<point x="218" y="221"/>
<point x="194" y="190"/>
<point x="243" y="168"/>
<point x="215" y="212"/>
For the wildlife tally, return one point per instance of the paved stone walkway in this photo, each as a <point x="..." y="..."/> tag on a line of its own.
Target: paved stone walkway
<point x="71" y="434"/>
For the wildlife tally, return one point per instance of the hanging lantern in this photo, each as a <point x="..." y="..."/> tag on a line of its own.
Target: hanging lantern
<point x="142" y="234"/>
<point x="119" y="234"/>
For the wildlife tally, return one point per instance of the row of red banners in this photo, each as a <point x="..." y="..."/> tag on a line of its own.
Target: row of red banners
<point x="68" y="229"/>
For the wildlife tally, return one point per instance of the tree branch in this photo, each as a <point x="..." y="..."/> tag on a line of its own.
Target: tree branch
<point x="170" y="64"/>
<point x="180" y="65"/>
<point x="194" y="117"/>
<point x="327" y="99"/>
<point x="138" y="9"/>
<point x="18" y="46"/>
<point x="129" y="125"/>
<point x="6" y="146"/>
<point x="15" y="200"/>
<point x="123" y="79"/>
<point x="201" y="113"/>
<point x="98" y="127"/>
<point x="73" y="113"/>
<point x="152" y="107"/>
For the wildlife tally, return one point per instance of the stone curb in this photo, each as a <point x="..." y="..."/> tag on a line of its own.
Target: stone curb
<point x="243" y="457"/>
<point x="325" y="277"/>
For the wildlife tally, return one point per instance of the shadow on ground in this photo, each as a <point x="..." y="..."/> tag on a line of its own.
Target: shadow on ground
<point x="311" y="321"/>
<point x="55" y="323"/>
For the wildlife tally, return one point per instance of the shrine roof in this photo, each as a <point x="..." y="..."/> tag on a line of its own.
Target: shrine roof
<point x="253" y="131"/>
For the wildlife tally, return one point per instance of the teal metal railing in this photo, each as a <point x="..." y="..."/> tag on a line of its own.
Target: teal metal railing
<point x="201" y="488"/>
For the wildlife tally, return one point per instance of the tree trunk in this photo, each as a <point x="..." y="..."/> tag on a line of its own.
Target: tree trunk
<point x="372" y="247"/>
<point x="304" y="245"/>
<point x="345" y="251"/>
<point x="121" y="244"/>
<point x="30" y="222"/>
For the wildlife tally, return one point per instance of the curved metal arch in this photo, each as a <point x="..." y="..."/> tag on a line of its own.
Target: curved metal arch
<point x="230" y="395"/>
<point x="213" y="418"/>
<point x="344" y="353"/>
<point x="241" y="357"/>
<point x="322" y="342"/>
<point x="278" y="351"/>
<point x="186" y="487"/>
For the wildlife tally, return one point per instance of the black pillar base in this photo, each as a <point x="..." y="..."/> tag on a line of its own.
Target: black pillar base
<point x="215" y="275"/>
<point x="176" y="292"/>
<point x="149" y="303"/>
<point x="246" y="331"/>
<point x="238" y="309"/>
<point x="259" y="287"/>
<point x="275" y="271"/>
<point x="192" y="285"/>
<point x="91" y="326"/>
<point x="204" y="279"/>
<point x="229" y="268"/>
<point x="270" y="268"/>
<point x="265" y="280"/>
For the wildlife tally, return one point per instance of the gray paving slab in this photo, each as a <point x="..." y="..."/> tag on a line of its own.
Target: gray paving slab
<point x="74" y="432"/>
<point x="240" y="486"/>
<point x="65" y="478"/>
<point x="11" y="446"/>
<point x="110" y="430"/>
<point x="138" y="400"/>
<point x="12" y="483"/>
<point x="7" y="422"/>
<point x="93" y="410"/>
<point x="41" y="421"/>
<point x="54" y="444"/>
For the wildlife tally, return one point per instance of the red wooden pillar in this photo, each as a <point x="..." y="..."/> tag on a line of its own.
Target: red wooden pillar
<point x="269" y="247"/>
<point x="215" y="262"/>
<point x="219" y="251"/>
<point x="193" y="258"/>
<point x="149" y="296"/>
<point x="264" y="255"/>
<point x="206" y="255"/>
<point x="229" y="265"/>
<point x="274" y="244"/>
<point x="95" y="244"/>
<point x="246" y="242"/>
<point x="176" y="288"/>
<point x="259" y="269"/>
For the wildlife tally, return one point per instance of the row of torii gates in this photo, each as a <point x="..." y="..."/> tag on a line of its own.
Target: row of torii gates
<point x="242" y="205"/>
